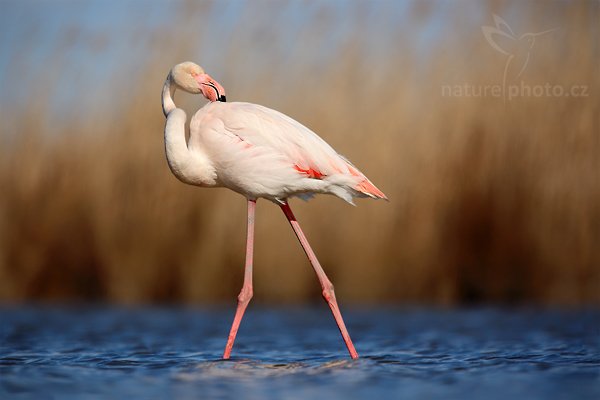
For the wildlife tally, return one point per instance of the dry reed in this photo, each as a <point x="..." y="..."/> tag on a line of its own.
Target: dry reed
<point x="490" y="200"/>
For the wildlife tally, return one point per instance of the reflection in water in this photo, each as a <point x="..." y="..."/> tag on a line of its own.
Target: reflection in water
<point x="153" y="353"/>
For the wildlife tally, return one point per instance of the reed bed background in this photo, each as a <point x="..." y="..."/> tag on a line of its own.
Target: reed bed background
<point x="491" y="200"/>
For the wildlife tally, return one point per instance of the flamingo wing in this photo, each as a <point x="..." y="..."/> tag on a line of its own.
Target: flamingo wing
<point x="304" y="162"/>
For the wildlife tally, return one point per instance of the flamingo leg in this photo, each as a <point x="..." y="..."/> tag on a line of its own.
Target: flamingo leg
<point x="326" y="285"/>
<point x="246" y="292"/>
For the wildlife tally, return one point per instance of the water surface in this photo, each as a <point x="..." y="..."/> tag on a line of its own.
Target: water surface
<point x="153" y="353"/>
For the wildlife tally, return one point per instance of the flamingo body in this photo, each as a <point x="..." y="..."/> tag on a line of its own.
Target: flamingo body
<point x="259" y="153"/>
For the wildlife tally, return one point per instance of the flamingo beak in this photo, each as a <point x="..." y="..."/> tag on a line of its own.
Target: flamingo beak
<point x="210" y="88"/>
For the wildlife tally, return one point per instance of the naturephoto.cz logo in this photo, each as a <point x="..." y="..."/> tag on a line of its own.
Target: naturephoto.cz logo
<point x="517" y="51"/>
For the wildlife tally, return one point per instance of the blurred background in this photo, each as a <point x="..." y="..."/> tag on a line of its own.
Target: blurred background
<point x="492" y="199"/>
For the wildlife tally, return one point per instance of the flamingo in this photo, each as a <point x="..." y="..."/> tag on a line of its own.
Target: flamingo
<point x="259" y="153"/>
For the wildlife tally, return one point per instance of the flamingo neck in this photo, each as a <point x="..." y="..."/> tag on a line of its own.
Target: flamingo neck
<point x="168" y="92"/>
<point x="189" y="166"/>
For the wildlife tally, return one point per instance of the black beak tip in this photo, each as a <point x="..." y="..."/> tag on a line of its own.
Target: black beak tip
<point x="222" y="98"/>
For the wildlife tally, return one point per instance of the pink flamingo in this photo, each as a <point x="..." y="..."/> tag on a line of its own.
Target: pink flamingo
<point x="257" y="152"/>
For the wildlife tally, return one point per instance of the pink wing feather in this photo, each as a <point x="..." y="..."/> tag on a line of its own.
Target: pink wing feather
<point x="309" y="155"/>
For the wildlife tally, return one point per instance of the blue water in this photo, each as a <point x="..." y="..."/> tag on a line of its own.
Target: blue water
<point x="157" y="353"/>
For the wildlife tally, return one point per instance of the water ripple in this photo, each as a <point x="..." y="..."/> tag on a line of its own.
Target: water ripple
<point x="153" y="353"/>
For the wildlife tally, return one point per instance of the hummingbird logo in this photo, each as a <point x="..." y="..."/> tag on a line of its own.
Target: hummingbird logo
<point x="517" y="48"/>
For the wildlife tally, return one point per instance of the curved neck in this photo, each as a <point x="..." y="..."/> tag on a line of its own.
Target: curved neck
<point x="168" y="92"/>
<point x="175" y="143"/>
<point x="192" y="167"/>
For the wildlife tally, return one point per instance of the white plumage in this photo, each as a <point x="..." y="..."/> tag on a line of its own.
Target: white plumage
<point x="257" y="152"/>
<point x="260" y="152"/>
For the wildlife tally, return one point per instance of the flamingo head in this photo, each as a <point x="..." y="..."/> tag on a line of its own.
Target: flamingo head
<point x="191" y="78"/>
